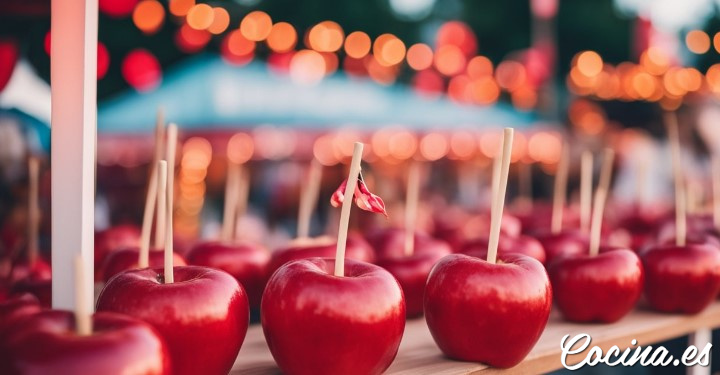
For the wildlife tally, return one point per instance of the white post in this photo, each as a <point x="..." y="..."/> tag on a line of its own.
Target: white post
<point x="700" y="338"/>
<point x="73" y="74"/>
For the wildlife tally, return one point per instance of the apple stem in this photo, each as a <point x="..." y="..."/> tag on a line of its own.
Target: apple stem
<point x="600" y="199"/>
<point x="560" y="190"/>
<point x="172" y="144"/>
<point x="242" y="197"/>
<point x="345" y="210"/>
<point x="412" y="197"/>
<point x="151" y="196"/>
<point x="586" y="177"/>
<point x="33" y="209"/>
<point x="308" y="198"/>
<point x="499" y="200"/>
<point x="231" y="188"/>
<point x="83" y="323"/>
<point x="716" y="190"/>
<point x="680" y="202"/>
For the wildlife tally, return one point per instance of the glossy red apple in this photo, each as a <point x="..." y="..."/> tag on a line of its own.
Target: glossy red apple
<point x="127" y="259"/>
<point x="322" y="247"/>
<point x="15" y="308"/>
<point x="37" y="270"/>
<point x="202" y="316"/>
<point x="601" y="288"/>
<point x="317" y="323"/>
<point x="114" y="238"/>
<point x="521" y="244"/>
<point x="46" y="343"/>
<point x="569" y="242"/>
<point x="681" y="279"/>
<point x="456" y="228"/>
<point x="35" y="279"/>
<point x="410" y="271"/>
<point x="246" y="262"/>
<point x="490" y="313"/>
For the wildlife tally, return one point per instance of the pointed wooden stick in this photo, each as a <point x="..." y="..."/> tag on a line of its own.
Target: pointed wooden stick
<point x="586" y="177"/>
<point x="601" y="195"/>
<point x="560" y="190"/>
<point x="680" y="208"/>
<point x="242" y="197"/>
<point x="499" y="199"/>
<point x="231" y="196"/>
<point x="151" y="196"/>
<point x="171" y="146"/>
<point x="33" y="210"/>
<point x="308" y="199"/>
<point x="163" y="188"/>
<point x="412" y="198"/>
<point x="716" y="190"/>
<point x="83" y="320"/>
<point x="345" y="210"/>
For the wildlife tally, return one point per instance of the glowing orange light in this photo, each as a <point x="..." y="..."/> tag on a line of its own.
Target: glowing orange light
<point x="544" y="147"/>
<point x="510" y="75"/>
<point x="307" y="67"/>
<point x="713" y="78"/>
<point x="221" y="21"/>
<point x="449" y="60"/>
<point x="331" y="64"/>
<point x="479" y="66"/>
<point x="697" y="41"/>
<point x="238" y="45"/>
<point x="462" y="145"/>
<point x="200" y="16"/>
<point x="197" y="153"/>
<point x="484" y="90"/>
<point x="419" y="56"/>
<point x="644" y="84"/>
<point x="190" y="40"/>
<point x="357" y="44"/>
<point x="379" y="72"/>
<point x="690" y="79"/>
<point x="672" y="84"/>
<point x="489" y="144"/>
<point x="282" y="37"/>
<point x="716" y="42"/>
<point x="458" y="34"/>
<point x="180" y="7"/>
<point x="524" y="98"/>
<point x="256" y="26"/>
<point x="589" y="63"/>
<point x="655" y="61"/>
<point x="388" y="50"/>
<point x="240" y="148"/>
<point x="402" y="145"/>
<point x="148" y="16"/>
<point x="459" y="89"/>
<point x="433" y="146"/>
<point x="519" y="149"/>
<point x="327" y="36"/>
<point x="323" y="150"/>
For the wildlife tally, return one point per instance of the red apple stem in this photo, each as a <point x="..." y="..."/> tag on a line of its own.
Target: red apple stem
<point x="151" y="196"/>
<point x="242" y="199"/>
<point x="83" y="323"/>
<point x="412" y="198"/>
<point x="33" y="209"/>
<point x="345" y="210"/>
<point x="680" y="202"/>
<point x="600" y="199"/>
<point x="586" y="177"/>
<point x="560" y="190"/>
<point x="716" y="190"/>
<point x="231" y="196"/>
<point x="308" y="198"/>
<point x="172" y="144"/>
<point x="499" y="200"/>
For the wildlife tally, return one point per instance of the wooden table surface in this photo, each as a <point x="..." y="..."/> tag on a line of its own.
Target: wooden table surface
<point x="418" y="354"/>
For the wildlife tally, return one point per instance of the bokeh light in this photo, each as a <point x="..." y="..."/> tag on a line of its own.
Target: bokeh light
<point x="449" y="60"/>
<point x="221" y="21"/>
<point x="697" y="41"/>
<point x="589" y="63"/>
<point x="484" y="90"/>
<point x="510" y="75"/>
<point x="190" y="40"/>
<point x="479" y="66"/>
<point x="420" y="56"/>
<point x="388" y="50"/>
<point x="103" y="60"/>
<point x="180" y="8"/>
<point x="545" y="147"/>
<point x="141" y="70"/>
<point x="148" y="16"/>
<point x="428" y="83"/>
<point x="256" y="26"/>
<point x="307" y="67"/>
<point x="327" y="36"/>
<point x="200" y="16"/>
<point x="434" y="146"/>
<point x="357" y="44"/>
<point x="282" y="37"/>
<point x="458" y="34"/>
<point x="236" y="49"/>
<point x="240" y="148"/>
<point x="117" y="8"/>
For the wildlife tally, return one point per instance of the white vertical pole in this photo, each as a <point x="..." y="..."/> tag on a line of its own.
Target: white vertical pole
<point x="700" y="338"/>
<point x="73" y="75"/>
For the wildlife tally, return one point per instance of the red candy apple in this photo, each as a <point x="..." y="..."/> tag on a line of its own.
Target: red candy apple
<point x="127" y="259"/>
<point x="521" y="244"/>
<point x="490" y="313"/>
<point x="246" y="262"/>
<point x="681" y="279"/>
<point x="302" y="248"/>
<point x="45" y="343"/>
<point x="114" y="238"/>
<point x="40" y="288"/>
<point x="15" y="308"/>
<point x="568" y="242"/>
<point x="317" y="323"/>
<point x="202" y="316"/>
<point x="601" y="288"/>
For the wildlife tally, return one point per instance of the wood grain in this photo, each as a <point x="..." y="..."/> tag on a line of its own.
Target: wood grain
<point x="419" y="355"/>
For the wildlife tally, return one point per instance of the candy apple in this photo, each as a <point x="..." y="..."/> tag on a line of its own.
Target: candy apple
<point x="521" y="244"/>
<point x="127" y="259"/>
<point x="318" y="323"/>
<point x="114" y="238"/>
<point x="46" y="343"/>
<point x="485" y="312"/>
<point x="568" y="242"/>
<point x="202" y="315"/>
<point x="15" y="308"/>
<point x="681" y="279"/>
<point x="245" y="261"/>
<point x="357" y="249"/>
<point x="601" y="288"/>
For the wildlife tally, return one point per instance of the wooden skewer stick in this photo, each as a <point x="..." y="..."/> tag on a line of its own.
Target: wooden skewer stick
<point x="33" y="210"/>
<point x="83" y="321"/>
<point x="160" y="217"/>
<point x="152" y="194"/>
<point x="586" y="177"/>
<point x="168" y="252"/>
<point x="601" y="195"/>
<point x="242" y="198"/>
<point x="171" y="146"/>
<point x="716" y="190"/>
<point x="308" y="199"/>
<point x="560" y="190"/>
<point x="499" y="199"/>
<point x="345" y="210"/>
<point x="412" y="199"/>
<point x="231" y="190"/>
<point x="680" y="202"/>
